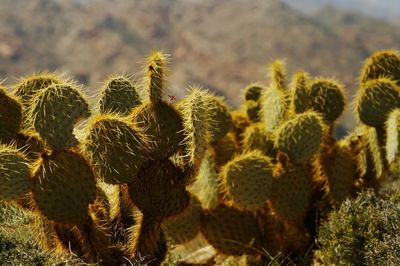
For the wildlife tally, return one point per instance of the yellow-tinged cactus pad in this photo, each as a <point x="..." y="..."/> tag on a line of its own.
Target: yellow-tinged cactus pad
<point x="247" y="179"/>
<point x="300" y="98"/>
<point x="159" y="190"/>
<point x="374" y="151"/>
<point x="376" y="99"/>
<point x="15" y="174"/>
<point x="119" y="96"/>
<point x="30" y="144"/>
<point x="231" y="231"/>
<point x="300" y="137"/>
<point x="28" y="87"/>
<point x="327" y="98"/>
<point x="55" y="111"/>
<point x="220" y="118"/>
<point x="291" y="191"/>
<point x="115" y="148"/>
<point x="10" y="117"/>
<point x="257" y="138"/>
<point x="196" y="123"/>
<point x="64" y="185"/>
<point x="341" y="170"/>
<point x="385" y="63"/>
<point x="253" y="92"/>
<point x="155" y="75"/>
<point x="393" y="136"/>
<point x="163" y="125"/>
<point x="205" y="186"/>
<point x="225" y="149"/>
<point x="185" y="226"/>
<point x="253" y="111"/>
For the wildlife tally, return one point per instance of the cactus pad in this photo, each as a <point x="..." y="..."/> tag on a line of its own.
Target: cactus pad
<point x="15" y="180"/>
<point x="155" y="75"/>
<point x="118" y="95"/>
<point x="159" y="190"/>
<point x="327" y="98"/>
<point x="220" y="118"/>
<point x="185" y="226"/>
<point x="257" y="138"/>
<point x="55" y="112"/>
<point x="384" y="63"/>
<point x="163" y="125"/>
<point x="115" y="148"/>
<point x="291" y="191"/>
<point x="376" y="99"/>
<point x="300" y="137"/>
<point x="300" y="98"/>
<point x="253" y="92"/>
<point x="393" y="136"/>
<point x="247" y="179"/>
<point x="231" y="231"/>
<point x="64" y="186"/>
<point x="10" y="117"/>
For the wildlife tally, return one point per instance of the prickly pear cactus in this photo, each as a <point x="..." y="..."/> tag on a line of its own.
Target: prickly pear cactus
<point x="300" y="137"/>
<point x="385" y="63"/>
<point x="118" y="96"/>
<point x="55" y="112"/>
<point x="10" y="117"/>
<point x="15" y="175"/>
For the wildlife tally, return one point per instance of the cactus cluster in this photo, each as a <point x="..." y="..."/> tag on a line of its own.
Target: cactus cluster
<point x="141" y="175"/>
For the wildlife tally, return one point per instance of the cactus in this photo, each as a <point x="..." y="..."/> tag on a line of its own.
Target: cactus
<point x="10" y="117"/>
<point x="231" y="231"/>
<point x="247" y="179"/>
<point x="116" y="148"/>
<point x="275" y="100"/>
<point x="257" y="138"/>
<point x="161" y="122"/>
<point x="220" y="118"/>
<point x="118" y="95"/>
<point x="253" y="92"/>
<point x="300" y="98"/>
<point x="376" y="99"/>
<point x="55" y="111"/>
<point x="327" y="98"/>
<point x="64" y="185"/>
<point x="385" y="63"/>
<point x="392" y="140"/>
<point x="300" y="137"/>
<point x="15" y="175"/>
<point x="185" y="226"/>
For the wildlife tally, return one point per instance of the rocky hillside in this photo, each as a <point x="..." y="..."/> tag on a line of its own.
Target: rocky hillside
<point x="222" y="45"/>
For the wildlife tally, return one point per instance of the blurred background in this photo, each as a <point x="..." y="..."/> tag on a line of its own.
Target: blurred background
<point x="221" y="45"/>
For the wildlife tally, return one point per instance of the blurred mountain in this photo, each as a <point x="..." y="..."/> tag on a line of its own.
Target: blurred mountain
<point x="222" y="45"/>
<point x="384" y="9"/>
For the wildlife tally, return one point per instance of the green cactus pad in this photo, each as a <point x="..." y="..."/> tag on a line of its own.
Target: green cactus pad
<point x="155" y="75"/>
<point x="30" y="144"/>
<point x="274" y="102"/>
<point x="393" y="136"/>
<point x="64" y="185"/>
<point x="55" y="112"/>
<point x="376" y="99"/>
<point x="247" y="179"/>
<point x="115" y="148"/>
<point x="28" y="87"/>
<point x="384" y="63"/>
<point x="159" y="190"/>
<point x="15" y="175"/>
<point x="185" y="226"/>
<point x="327" y="98"/>
<point x="341" y="170"/>
<point x="240" y="121"/>
<point x="118" y="95"/>
<point x="163" y="125"/>
<point x="253" y="92"/>
<point x="220" y="118"/>
<point x="205" y="186"/>
<point x="300" y="137"/>
<point x="291" y="191"/>
<point x="300" y="98"/>
<point x="231" y="231"/>
<point x="10" y="117"/>
<point x="257" y="138"/>
<point x="195" y="114"/>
